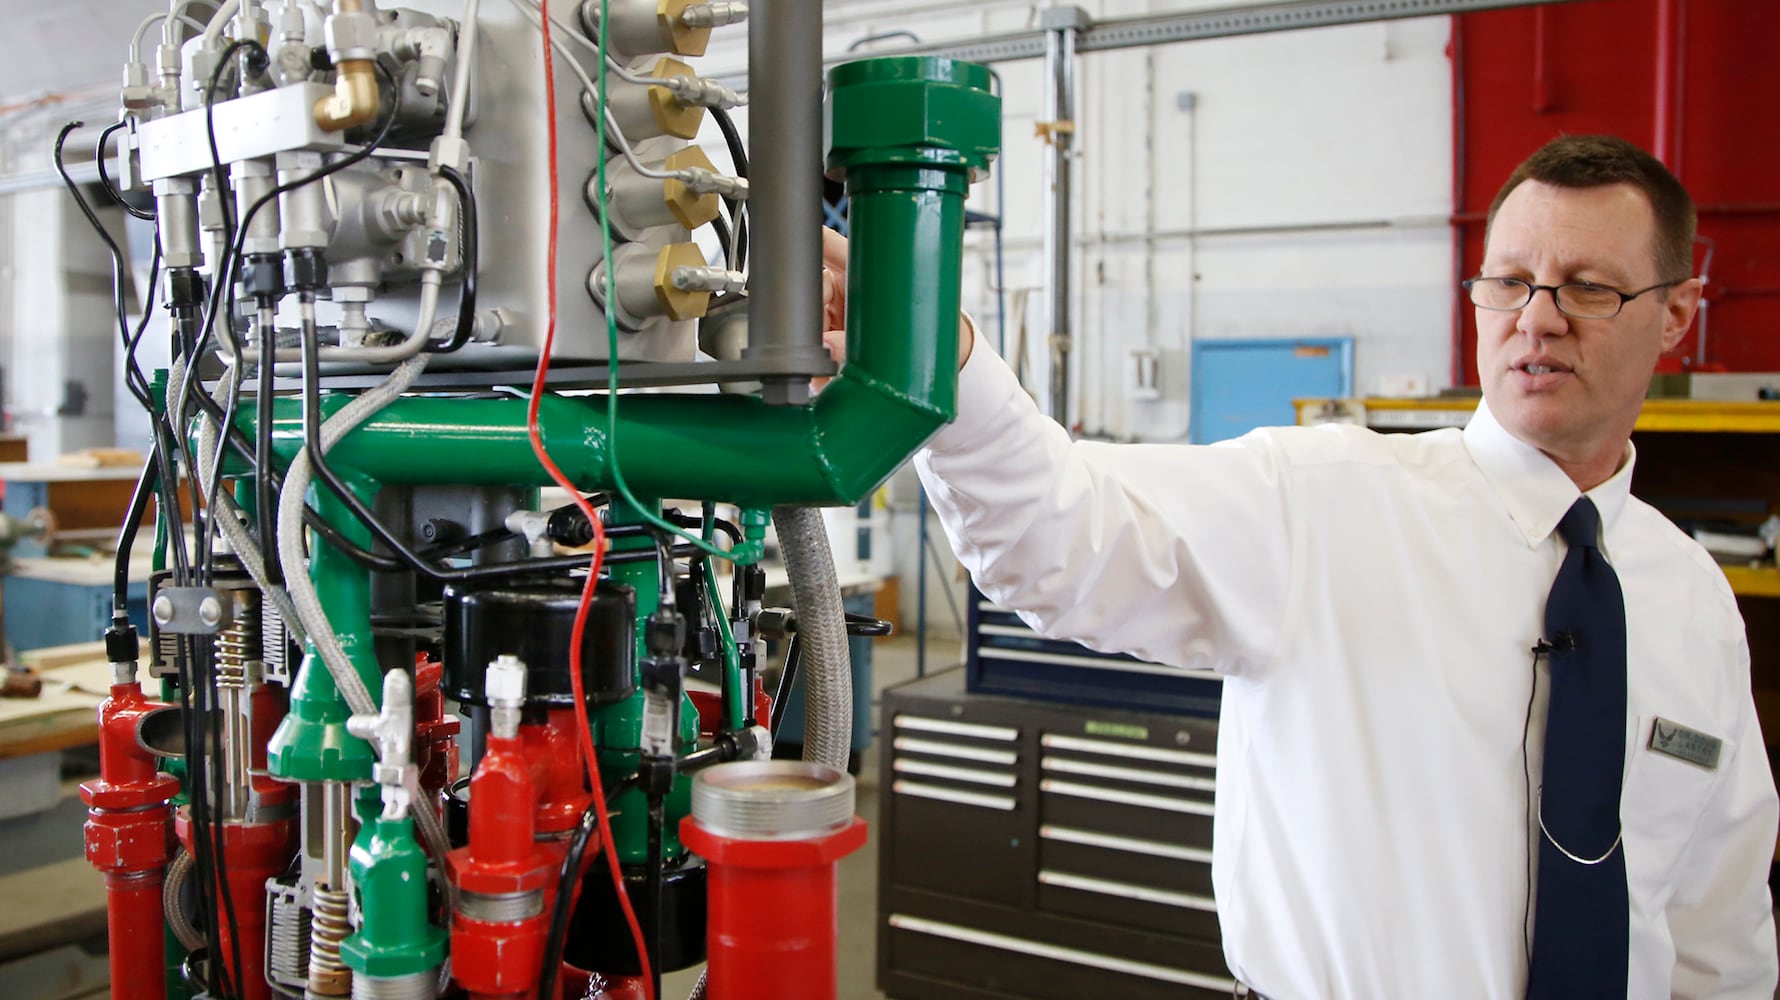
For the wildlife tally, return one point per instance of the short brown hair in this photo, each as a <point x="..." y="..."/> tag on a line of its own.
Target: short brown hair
<point x="1588" y="161"/>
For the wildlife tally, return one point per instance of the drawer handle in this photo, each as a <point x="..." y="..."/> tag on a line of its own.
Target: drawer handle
<point x="1003" y="734"/>
<point x="1132" y="845"/>
<point x="940" y="748"/>
<point x="954" y="795"/>
<point x="1124" y="890"/>
<point x="1124" y="798"/>
<point x="1064" y="765"/>
<point x="1129" y="751"/>
<point x="970" y="774"/>
<point x="1058" y="953"/>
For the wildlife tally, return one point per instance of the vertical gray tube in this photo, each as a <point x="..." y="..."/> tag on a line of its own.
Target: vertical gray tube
<point x="785" y="190"/>
<point x="1060" y="111"/>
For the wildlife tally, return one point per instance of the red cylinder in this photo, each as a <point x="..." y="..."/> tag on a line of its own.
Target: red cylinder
<point x="127" y="839"/>
<point x="792" y="955"/>
<point x="255" y="853"/>
<point x="497" y="945"/>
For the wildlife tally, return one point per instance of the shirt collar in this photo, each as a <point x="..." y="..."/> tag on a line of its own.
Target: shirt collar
<point x="1536" y="492"/>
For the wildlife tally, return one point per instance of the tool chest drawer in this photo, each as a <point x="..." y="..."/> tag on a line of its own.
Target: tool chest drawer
<point x="1038" y="850"/>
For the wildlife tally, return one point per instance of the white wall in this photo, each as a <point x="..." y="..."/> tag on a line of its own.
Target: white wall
<point x="1291" y="184"/>
<point x="1328" y="150"/>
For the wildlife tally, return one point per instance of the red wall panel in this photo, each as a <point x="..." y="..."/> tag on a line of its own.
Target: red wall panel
<point x="1526" y="75"/>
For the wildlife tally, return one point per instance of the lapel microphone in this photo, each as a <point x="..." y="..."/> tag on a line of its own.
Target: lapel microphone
<point x="1563" y="642"/>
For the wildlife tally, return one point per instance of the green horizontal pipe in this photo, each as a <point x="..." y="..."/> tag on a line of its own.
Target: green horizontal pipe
<point x="907" y="182"/>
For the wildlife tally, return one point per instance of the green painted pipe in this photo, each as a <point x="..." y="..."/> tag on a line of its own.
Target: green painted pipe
<point x="908" y="135"/>
<point x="311" y="743"/>
<point x="389" y="875"/>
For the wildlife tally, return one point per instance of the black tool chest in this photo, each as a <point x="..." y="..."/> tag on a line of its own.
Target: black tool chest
<point x="1041" y="850"/>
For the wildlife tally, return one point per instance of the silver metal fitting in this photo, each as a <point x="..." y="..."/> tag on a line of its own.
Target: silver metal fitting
<point x="714" y="15"/>
<point x="704" y="92"/>
<point x="191" y="610"/>
<point x="772" y="799"/>
<point x="702" y="181"/>
<point x="504" y="686"/>
<point x="708" y="279"/>
<point x="392" y="729"/>
<point x="350" y="36"/>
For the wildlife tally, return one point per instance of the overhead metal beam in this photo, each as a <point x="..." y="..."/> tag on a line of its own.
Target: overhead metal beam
<point x="1160" y="29"/>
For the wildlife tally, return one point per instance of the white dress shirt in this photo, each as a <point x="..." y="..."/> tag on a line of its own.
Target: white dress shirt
<point x="1372" y="602"/>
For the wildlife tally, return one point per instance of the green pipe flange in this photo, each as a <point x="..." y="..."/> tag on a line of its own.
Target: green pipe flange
<point x="915" y="110"/>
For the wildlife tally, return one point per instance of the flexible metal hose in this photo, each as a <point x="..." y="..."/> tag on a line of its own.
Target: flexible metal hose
<point x="822" y="632"/>
<point x="290" y="533"/>
<point x="248" y="550"/>
<point x="180" y="924"/>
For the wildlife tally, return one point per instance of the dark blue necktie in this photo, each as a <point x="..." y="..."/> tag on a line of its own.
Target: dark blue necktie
<point x="1581" y="923"/>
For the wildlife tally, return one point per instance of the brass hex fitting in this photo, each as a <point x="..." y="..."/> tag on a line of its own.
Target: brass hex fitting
<point x="683" y="41"/>
<point x="691" y="209"/>
<point x="354" y="101"/>
<point x="679" y="120"/>
<point x="675" y="303"/>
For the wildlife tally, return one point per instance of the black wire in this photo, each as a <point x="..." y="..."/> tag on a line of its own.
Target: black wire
<point x="138" y="386"/>
<point x="732" y="137"/>
<point x="787" y="677"/>
<point x="655" y="876"/>
<point x="724" y="239"/>
<point x="264" y="496"/>
<point x="365" y="516"/>
<point x="126" y="535"/>
<point x="738" y="155"/>
<point x="234" y="253"/>
<point x="472" y="263"/>
<point x="562" y="907"/>
<point x="111" y="189"/>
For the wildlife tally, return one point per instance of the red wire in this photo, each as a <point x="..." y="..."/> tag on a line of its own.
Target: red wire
<point x="583" y="730"/>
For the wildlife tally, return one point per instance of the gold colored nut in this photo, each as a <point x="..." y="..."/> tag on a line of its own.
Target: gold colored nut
<point x="683" y="41"/>
<point x="678" y="304"/>
<point x="672" y="117"/>
<point x="692" y="210"/>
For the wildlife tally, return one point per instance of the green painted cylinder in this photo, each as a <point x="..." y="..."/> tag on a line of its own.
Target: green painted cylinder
<point x="311" y="743"/>
<point x="395" y="938"/>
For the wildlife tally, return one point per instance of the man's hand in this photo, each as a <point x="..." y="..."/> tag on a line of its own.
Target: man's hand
<point x="834" y="305"/>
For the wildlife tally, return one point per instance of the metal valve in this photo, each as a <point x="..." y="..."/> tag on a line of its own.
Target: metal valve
<point x="392" y="729"/>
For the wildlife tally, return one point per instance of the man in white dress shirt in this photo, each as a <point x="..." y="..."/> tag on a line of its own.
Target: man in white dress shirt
<point x="1377" y="605"/>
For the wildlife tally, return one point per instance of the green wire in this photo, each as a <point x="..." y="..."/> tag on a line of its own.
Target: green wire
<point x="745" y="552"/>
<point x="732" y="654"/>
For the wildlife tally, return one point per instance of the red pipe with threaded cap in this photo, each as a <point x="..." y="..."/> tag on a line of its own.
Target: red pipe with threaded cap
<point x="127" y="838"/>
<point x="502" y="877"/>
<point x="772" y="831"/>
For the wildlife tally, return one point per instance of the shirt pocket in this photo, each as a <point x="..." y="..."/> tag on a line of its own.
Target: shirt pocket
<point x="1663" y="800"/>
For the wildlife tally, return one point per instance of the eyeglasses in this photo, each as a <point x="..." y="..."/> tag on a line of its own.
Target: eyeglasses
<point x="1576" y="299"/>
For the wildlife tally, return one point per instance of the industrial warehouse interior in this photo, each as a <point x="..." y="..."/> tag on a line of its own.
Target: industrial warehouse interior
<point x="850" y="499"/>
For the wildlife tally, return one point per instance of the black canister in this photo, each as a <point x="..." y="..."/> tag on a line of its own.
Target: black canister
<point x="535" y="621"/>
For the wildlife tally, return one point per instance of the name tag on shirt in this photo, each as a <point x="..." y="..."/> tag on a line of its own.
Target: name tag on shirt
<point x="1682" y="743"/>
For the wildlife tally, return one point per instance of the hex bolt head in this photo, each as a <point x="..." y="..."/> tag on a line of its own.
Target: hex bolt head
<point x="163" y="610"/>
<point x="210" y="612"/>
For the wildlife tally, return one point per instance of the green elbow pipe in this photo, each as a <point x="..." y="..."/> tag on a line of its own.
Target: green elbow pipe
<point x="909" y="134"/>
